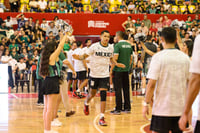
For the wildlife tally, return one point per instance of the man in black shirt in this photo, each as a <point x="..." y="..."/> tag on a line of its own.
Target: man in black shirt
<point x="147" y="59"/>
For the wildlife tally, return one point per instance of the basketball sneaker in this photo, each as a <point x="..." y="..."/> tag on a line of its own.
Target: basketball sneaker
<point x="115" y="112"/>
<point x="102" y="122"/>
<point x="68" y="114"/>
<point x="56" y="123"/>
<point x="86" y="109"/>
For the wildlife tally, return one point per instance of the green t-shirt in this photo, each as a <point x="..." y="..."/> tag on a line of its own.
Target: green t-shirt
<point x="13" y="46"/>
<point x="66" y="47"/>
<point x="62" y="56"/>
<point x="124" y="49"/>
<point x="188" y="22"/>
<point x="25" y="39"/>
<point x="61" y="11"/>
<point x="16" y="56"/>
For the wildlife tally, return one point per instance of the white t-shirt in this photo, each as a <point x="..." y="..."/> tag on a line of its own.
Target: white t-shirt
<point x="195" y="64"/>
<point x="6" y="58"/>
<point x="78" y="64"/>
<point x="85" y="49"/>
<point x="9" y="23"/>
<point x="170" y="68"/>
<point x="42" y="4"/>
<point x="100" y="60"/>
<point x="70" y="59"/>
<point x="21" y="66"/>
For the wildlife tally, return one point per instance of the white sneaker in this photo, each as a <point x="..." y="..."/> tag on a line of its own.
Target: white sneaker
<point x="190" y="130"/>
<point x="50" y="131"/>
<point x="56" y="123"/>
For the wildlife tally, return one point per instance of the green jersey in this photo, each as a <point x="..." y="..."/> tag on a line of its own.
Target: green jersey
<point x="124" y="50"/>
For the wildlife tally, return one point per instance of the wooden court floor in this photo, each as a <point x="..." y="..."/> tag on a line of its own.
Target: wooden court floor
<point x="20" y="114"/>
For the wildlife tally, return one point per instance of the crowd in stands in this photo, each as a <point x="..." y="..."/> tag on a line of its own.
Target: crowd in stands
<point x="105" y="6"/>
<point x="23" y="46"/>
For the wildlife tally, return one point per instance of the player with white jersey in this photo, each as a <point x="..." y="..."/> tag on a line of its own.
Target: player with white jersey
<point x="168" y="76"/>
<point x="80" y="67"/>
<point x="194" y="87"/>
<point x="70" y="77"/>
<point x="101" y="53"/>
<point x="88" y="43"/>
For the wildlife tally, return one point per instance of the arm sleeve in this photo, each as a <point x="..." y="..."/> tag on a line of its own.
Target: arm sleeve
<point x="154" y="69"/>
<point x="195" y="65"/>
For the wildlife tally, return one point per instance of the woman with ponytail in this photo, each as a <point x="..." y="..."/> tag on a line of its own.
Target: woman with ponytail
<point x="50" y="67"/>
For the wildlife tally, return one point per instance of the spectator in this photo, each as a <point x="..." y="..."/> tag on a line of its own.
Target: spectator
<point x="152" y="10"/>
<point x="87" y="10"/>
<point x="186" y="38"/>
<point x="153" y="28"/>
<point x="13" y="45"/>
<point x="105" y="6"/>
<point x="179" y="11"/>
<point x="8" y="21"/>
<point x="196" y="21"/>
<point x="24" y="54"/>
<point x="14" y="54"/>
<point x="35" y="55"/>
<point x="21" y="20"/>
<point x="77" y="5"/>
<point x="50" y="37"/>
<point x="127" y="23"/>
<point x="131" y="7"/>
<point x="53" y="29"/>
<point x="162" y="11"/>
<point x="3" y="6"/>
<point x="167" y="22"/>
<point x="166" y="6"/>
<point x="123" y="5"/>
<point x="98" y="10"/>
<point x="143" y="29"/>
<point x="27" y="28"/>
<point x="79" y="10"/>
<point x="147" y="22"/>
<point x="4" y="42"/>
<point x="24" y="38"/>
<point x="62" y="10"/>
<point x="140" y="10"/>
<point x="170" y="11"/>
<point x="9" y="32"/>
<point x="158" y="6"/>
<point x="94" y="4"/>
<point x="124" y="11"/>
<point x="197" y="9"/>
<point x="69" y="6"/>
<point x="3" y="29"/>
<point x="21" y="67"/>
<point x="116" y="11"/>
<point x="186" y="11"/>
<point x="42" y="5"/>
<point x="159" y="23"/>
<point x="33" y="4"/>
<point x="6" y="59"/>
<point x="44" y="25"/>
<point x="61" y="3"/>
<point x="188" y="22"/>
<point x="31" y="23"/>
<point x="53" y="6"/>
<point x="137" y="24"/>
<point x="14" y="5"/>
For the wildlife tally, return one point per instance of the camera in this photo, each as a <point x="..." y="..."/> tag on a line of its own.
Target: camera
<point x="140" y="37"/>
<point x="178" y="24"/>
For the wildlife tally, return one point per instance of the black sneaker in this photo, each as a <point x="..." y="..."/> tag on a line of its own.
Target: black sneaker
<point x="127" y="111"/>
<point x="115" y="112"/>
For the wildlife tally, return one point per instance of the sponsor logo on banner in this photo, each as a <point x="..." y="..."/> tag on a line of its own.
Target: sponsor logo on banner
<point x="97" y="24"/>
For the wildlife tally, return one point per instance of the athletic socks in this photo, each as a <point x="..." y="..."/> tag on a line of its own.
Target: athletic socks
<point x="101" y="115"/>
<point x="143" y="90"/>
<point x="87" y="104"/>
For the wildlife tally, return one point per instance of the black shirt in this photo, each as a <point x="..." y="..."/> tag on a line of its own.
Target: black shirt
<point x="151" y="47"/>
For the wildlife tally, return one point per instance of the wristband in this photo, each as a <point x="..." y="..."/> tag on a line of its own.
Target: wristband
<point x="145" y="103"/>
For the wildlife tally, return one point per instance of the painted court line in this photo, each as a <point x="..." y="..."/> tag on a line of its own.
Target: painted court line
<point x="14" y="96"/>
<point x="142" y="128"/>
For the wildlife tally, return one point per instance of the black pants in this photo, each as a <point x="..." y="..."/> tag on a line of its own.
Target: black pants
<point x="40" y="91"/>
<point x="14" y="6"/>
<point x="197" y="128"/>
<point x="121" y="82"/>
<point x="10" y="81"/>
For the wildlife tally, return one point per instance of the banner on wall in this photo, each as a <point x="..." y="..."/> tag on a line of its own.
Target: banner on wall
<point x="93" y="24"/>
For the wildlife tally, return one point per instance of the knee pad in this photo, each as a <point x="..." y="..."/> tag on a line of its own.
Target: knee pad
<point x="103" y="95"/>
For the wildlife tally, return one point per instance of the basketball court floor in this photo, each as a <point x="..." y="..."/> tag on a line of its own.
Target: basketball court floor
<point x="20" y="114"/>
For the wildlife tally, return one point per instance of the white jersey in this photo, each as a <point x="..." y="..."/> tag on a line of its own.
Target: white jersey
<point x="100" y="60"/>
<point x="195" y="65"/>
<point x="78" y="64"/>
<point x="170" y="68"/>
<point x="85" y="49"/>
<point x="70" y="59"/>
